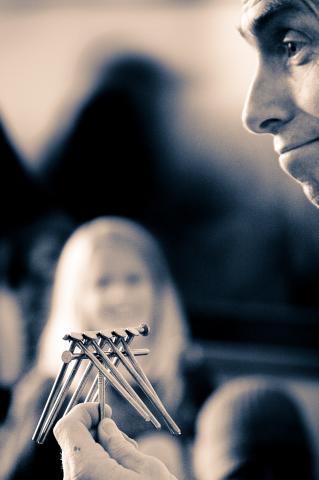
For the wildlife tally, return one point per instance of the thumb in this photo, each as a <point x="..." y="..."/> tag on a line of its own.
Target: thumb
<point x="66" y="467"/>
<point x="120" y="447"/>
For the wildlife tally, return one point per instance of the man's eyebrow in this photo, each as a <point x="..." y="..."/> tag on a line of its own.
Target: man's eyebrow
<point x="265" y="16"/>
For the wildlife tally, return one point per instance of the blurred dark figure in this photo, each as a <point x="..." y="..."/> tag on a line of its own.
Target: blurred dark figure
<point x="21" y="196"/>
<point x="252" y="429"/>
<point x="18" y="196"/>
<point x="36" y="249"/>
<point x="23" y="201"/>
<point x="12" y="344"/>
<point x="109" y="161"/>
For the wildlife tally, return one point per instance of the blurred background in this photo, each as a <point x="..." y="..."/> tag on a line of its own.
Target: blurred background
<point x="134" y="109"/>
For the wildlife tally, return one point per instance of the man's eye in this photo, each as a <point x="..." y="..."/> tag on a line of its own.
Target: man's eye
<point x="292" y="48"/>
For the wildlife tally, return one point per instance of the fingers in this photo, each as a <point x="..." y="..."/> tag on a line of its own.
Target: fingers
<point x="122" y="449"/>
<point x="128" y="456"/>
<point x="103" y="438"/>
<point x="129" y="439"/>
<point x="72" y="431"/>
<point x="83" y="458"/>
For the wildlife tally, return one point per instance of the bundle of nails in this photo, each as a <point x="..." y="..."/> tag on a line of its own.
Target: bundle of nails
<point x="103" y="351"/>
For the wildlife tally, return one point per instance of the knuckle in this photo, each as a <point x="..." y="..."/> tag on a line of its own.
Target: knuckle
<point x="156" y="468"/>
<point x="59" y="428"/>
<point x="141" y="462"/>
<point x="124" y="451"/>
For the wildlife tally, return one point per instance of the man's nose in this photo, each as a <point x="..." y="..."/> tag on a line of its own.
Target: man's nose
<point x="268" y="105"/>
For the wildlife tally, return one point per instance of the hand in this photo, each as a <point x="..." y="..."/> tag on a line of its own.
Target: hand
<point x="114" y="457"/>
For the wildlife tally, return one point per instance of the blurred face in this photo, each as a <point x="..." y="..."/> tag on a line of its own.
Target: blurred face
<point x="118" y="291"/>
<point x="283" y="99"/>
<point x="43" y="256"/>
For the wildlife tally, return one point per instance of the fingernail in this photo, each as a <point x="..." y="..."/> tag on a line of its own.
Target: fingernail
<point x="108" y="426"/>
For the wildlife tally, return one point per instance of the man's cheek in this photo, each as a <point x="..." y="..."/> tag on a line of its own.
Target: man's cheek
<point x="306" y="89"/>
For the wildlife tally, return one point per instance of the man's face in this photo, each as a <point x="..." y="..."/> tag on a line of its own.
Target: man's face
<point x="283" y="99"/>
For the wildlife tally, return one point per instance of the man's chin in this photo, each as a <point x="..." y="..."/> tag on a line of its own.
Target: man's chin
<point x="297" y="171"/>
<point x="312" y="193"/>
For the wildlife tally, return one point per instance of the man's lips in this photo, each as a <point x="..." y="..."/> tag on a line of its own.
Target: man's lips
<point x="287" y="148"/>
<point x="300" y="161"/>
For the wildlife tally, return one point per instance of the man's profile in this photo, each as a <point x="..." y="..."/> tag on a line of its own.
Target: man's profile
<point x="283" y="99"/>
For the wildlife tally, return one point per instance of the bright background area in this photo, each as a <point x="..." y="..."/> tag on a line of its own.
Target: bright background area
<point x="47" y="54"/>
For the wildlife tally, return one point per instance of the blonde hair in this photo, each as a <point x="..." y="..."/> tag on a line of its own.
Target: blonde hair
<point x="169" y="329"/>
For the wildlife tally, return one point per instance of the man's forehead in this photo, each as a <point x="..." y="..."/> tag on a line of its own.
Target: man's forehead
<point x="250" y="3"/>
<point x="256" y="13"/>
<point x="270" y="4"/>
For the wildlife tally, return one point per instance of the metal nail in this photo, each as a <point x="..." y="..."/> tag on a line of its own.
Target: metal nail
<point x="52" y="396"/>
<point x="173" y="427"/>
<point x="114" y="382"/>
<point x="118" y="375"/>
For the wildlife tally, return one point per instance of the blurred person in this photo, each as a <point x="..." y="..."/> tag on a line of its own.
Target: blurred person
<point x="12" y="346"/>
<point x="12" y="340"/>
<point x="111" y="273"/>
<point x="22" y="200"/>
<point x="252" y="428"/>
<point x="35" y="251"/>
